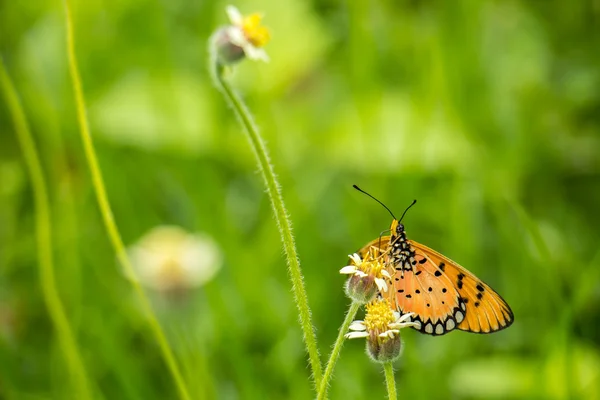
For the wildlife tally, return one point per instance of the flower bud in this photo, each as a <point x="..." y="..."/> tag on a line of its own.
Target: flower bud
<point x="227" y="52"/>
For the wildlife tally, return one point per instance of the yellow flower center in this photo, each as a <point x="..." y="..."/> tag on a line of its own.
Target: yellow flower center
<point x="371" y="264"/>
<point x="379" y="316"/>
<point x="256" y="34"/>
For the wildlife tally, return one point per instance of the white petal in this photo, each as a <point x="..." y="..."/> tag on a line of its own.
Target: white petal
<point x="234" y="15"/>
<point x="389" y="333"/>
<point x="361" y="274"/>
<point x="357" y="326"/>
<point x="381" y="285"/>
<point x="354" y="335"/>
<point x="386" y="274"/>
<point x="348" y="269"/>
<point x="405" y="317"/>
<point x="237" y="37"/>
<point x="400" y="325"/>
<point x="356" y="258"/>
<point x="254" y="53"/>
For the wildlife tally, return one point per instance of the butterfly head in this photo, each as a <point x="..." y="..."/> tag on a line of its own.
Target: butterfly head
<point x="397" y="230"/>
<point x="397" y="227"/>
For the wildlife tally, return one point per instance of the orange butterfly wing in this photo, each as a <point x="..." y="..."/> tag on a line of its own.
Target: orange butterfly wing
<point x="485" y="310"/>
<point x="444" y="295"/>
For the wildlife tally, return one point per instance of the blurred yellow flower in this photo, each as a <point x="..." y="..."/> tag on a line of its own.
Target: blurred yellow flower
<point x="170" y="259"/>
<point x="245" y="33"/>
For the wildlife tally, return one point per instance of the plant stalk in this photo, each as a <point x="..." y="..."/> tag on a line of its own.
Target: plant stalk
<point x="337" y="348"/>
<point x="281" y="215"/>
<point x="388" y="368"/>
<point x="107" y="215"/>
<point x="43" y="223"/>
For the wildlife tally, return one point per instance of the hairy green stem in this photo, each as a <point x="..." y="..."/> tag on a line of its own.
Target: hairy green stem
<point x="281" y="215"/>
<point x="388" y="368"/>
<point x="337" y="348"/>
<point x="107" y="215"/>
<point x="43" y="223"/>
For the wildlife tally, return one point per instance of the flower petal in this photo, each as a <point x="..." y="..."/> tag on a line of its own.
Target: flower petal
<point x="355" y="335"/>
<point x="236" y="36"/>
<point x="234" y="15"/>
<point x="405" y="317"/>
<point x="386" y="274"/>
<point x="381" y="285"/>
<point x="356" y="258"/>
<point x="254" y="53"/>
<point x="357" y="326"/>
<point x="348" y="269"/>
<point x="390" y="333"/>
<point x="401" y="325"/>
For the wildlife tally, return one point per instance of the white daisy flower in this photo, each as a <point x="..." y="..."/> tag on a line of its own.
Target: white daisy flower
<point x="170" y="259"/>
<point x="244" y="37"/>
<point x="381" y="328"/>
<point x="367" y="276"/>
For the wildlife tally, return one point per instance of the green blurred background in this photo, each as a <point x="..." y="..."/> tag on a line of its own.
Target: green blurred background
<point x="486" y="112"/>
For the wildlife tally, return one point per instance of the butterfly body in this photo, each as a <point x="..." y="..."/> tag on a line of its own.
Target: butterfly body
<point x="442" y="295"/>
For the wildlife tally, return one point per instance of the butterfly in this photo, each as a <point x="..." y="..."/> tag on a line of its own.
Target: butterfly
<point x="441" y="294"/>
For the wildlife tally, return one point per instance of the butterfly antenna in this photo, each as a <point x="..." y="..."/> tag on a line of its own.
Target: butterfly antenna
<point x="371" y="196"/>
<point x="404" y="213"/>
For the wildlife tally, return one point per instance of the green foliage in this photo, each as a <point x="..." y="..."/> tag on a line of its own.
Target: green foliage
<point x="486" y="112"/>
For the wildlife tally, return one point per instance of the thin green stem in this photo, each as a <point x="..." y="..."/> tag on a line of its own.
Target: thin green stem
<point x="388" y="368"/>
<point x="281" y="215"/>
<point x="107" y="215"/>
<point x="337" y="348"/>
<point x="43" y="223"/>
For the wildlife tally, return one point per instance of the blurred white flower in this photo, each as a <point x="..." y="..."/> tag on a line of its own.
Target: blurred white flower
<point x="244" y="37"/>
<point x="247" y="33"/>
<point x="170" y="259"/>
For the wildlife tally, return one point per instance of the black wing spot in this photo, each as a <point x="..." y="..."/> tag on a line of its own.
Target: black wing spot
<point x="459" y="284"/>
<point x="427" y="304"/>
<point x="442" y="265"/>
<point x="417" y="291"/>
<point x="465" y="300"/>
<point x="397" y="279"/>
<point x="422" y="261"/>
<point x="461" y="276"/>
<point x="444" y="290"/>
<point x="408" y="296"/>
<point x="476" y="304"/>
<point x="414" y="262"/>
<point x="443" y="302"/>
<point x="479" y="287"/>
<point x="438" y="273"/>
<point x="418" y="272"/>
<point x="430" y="288"/>
<point x="400" y="290"/>
<point x="479" y="296"/>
